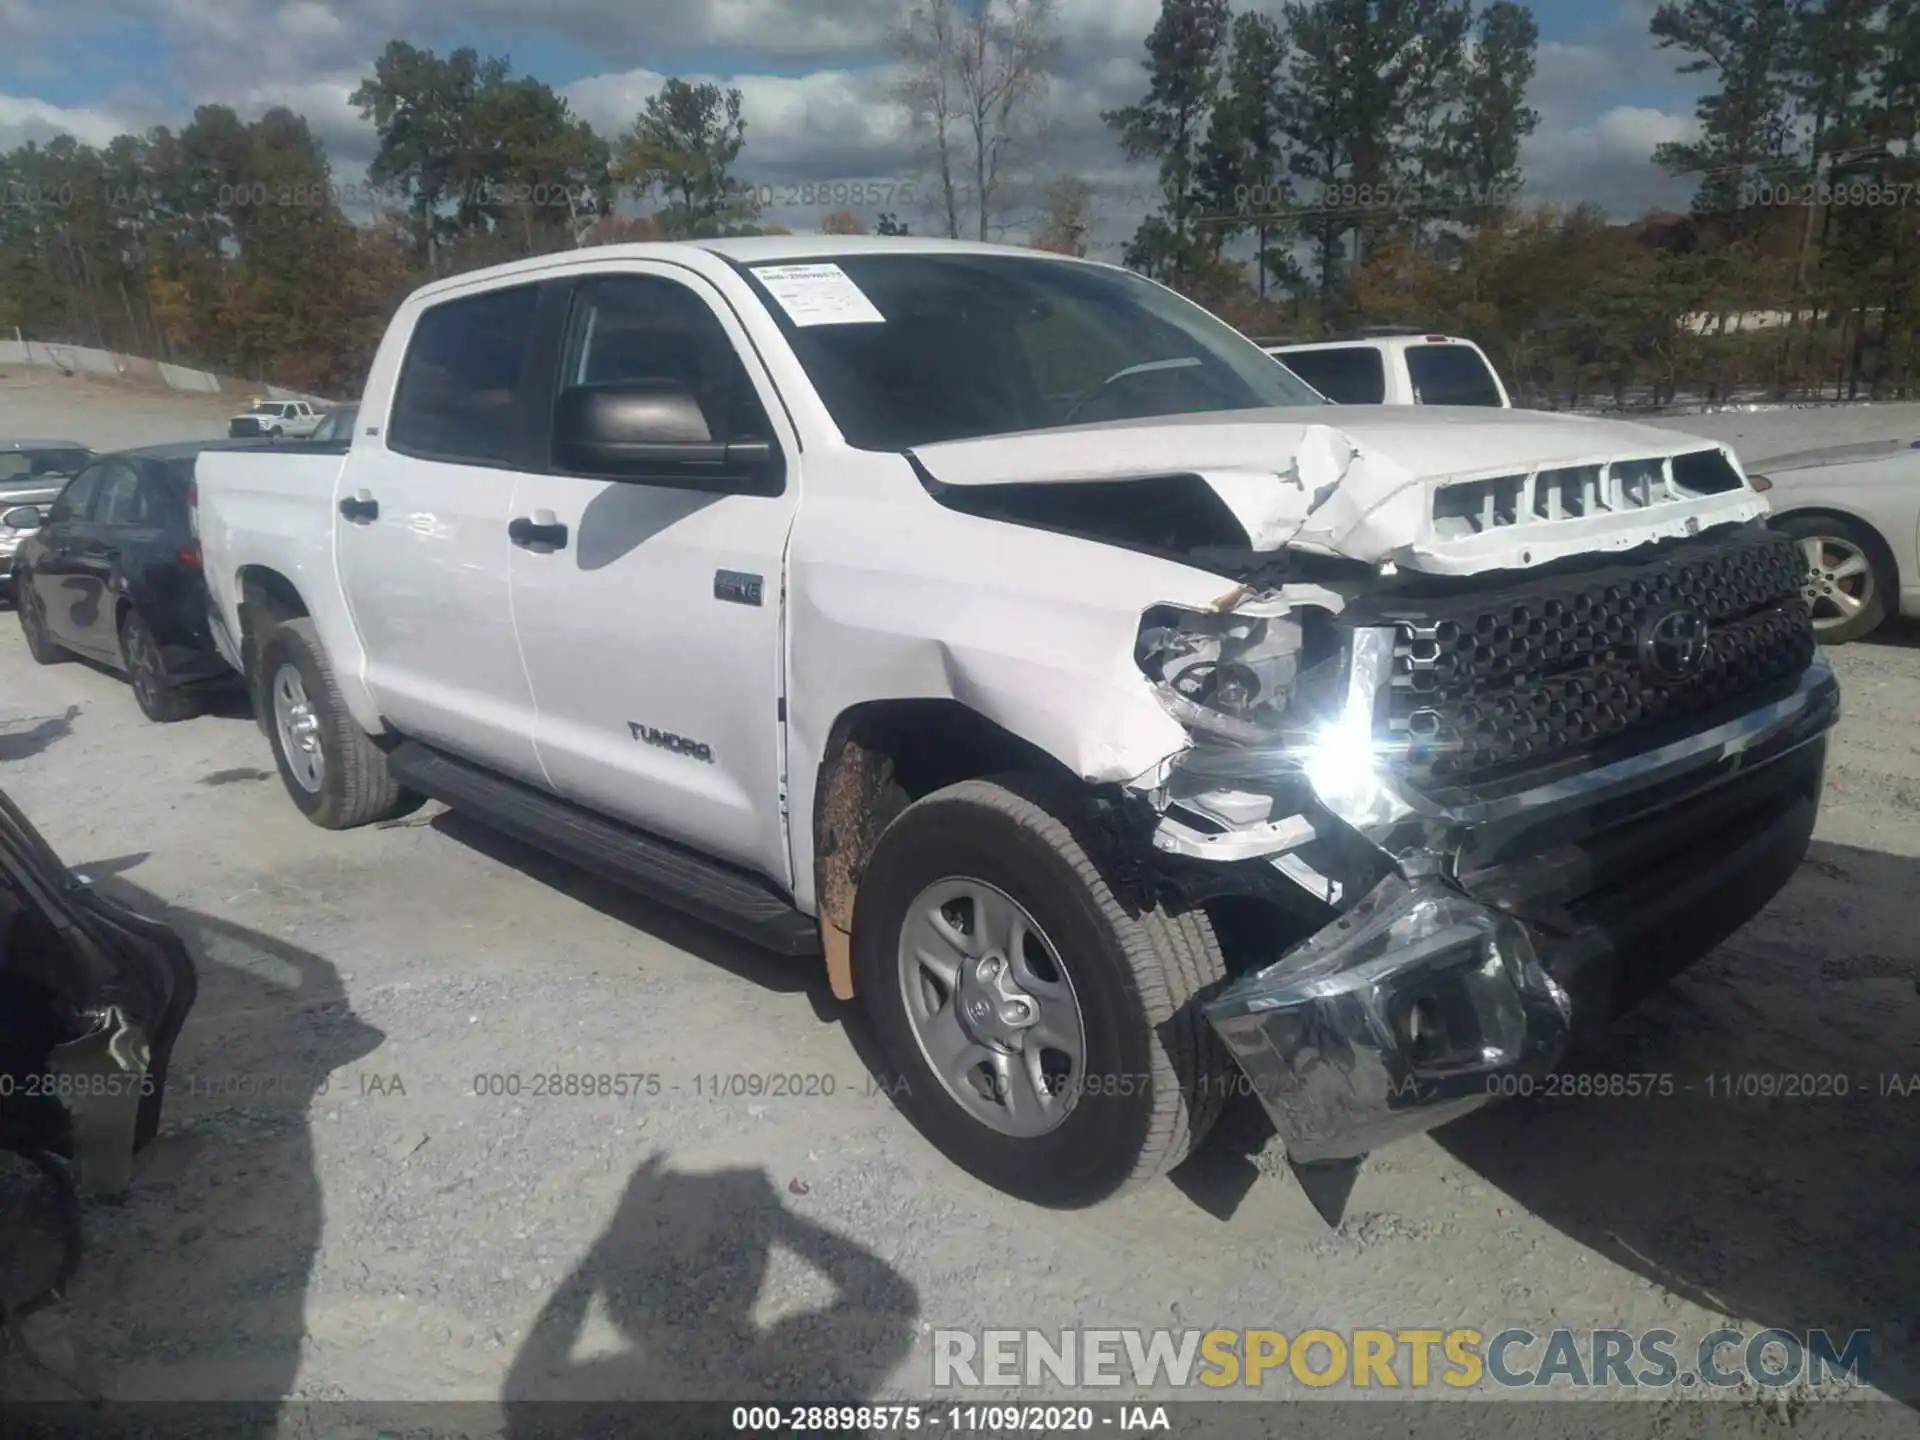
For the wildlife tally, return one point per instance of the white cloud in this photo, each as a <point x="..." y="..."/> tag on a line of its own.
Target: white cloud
<point x="23" y="118"/>
<point x="1570" y="77"/>
<point x="832" y="123"/>
<point x="321" y="99"/>
<point x="1609" y="161"/>
<point x="806" y="125"/>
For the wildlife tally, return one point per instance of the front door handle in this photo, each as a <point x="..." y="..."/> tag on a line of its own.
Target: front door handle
<point x="539" y="528"/>
<point x="360" y="507"/>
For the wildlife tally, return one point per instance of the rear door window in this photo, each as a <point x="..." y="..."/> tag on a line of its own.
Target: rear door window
<point x="121" y="499"/>
<point x="1345" y="374"/>
<point x="460" y="396"/>
<point x="74" y="500"/>
<point x="39" y="469"/>
<point x="1450" y="375"/>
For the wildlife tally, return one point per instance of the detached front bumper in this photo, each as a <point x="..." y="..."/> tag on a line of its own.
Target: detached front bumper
<point x="1511" y="923"/>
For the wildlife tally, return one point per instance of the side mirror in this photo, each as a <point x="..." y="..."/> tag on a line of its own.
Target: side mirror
<point x="654" y="431"/>
<point x="23" y="517"/>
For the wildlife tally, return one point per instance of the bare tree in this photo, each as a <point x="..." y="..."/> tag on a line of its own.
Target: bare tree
<point x="924" y="43"/>
<point x="974" y="81"/>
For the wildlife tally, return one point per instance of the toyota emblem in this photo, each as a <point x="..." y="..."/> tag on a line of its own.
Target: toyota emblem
<point x="1673" y="646"/>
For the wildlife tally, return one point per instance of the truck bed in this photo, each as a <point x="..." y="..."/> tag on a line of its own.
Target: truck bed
<point x="275" y="505"/>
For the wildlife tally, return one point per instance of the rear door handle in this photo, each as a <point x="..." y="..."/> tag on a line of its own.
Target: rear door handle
<point x="360" y="507"/>
<point x="539" y="528"/>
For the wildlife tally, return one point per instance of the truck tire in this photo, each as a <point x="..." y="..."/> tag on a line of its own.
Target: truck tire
<point x="331" y="768"/>
<point x="953" y="881"/>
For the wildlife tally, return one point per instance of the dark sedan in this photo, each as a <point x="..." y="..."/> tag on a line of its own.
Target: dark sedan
<point x="114" y="576"/>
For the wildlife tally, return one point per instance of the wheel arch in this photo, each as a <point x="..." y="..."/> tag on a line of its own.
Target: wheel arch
<point x="267" y="597"/>
<point x="880" y="756"/>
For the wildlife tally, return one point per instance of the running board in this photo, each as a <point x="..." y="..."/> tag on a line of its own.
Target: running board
<point x="725" y="897"/>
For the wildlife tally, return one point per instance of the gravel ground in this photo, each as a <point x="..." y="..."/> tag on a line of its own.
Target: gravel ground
<point x="370" y="1228"/>
<point x="45" y="405"/>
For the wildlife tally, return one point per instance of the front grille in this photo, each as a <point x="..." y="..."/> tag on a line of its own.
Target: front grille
<point x="239" y="428"/>
<point x="1473" y="507"/>
<point x="1490" y="686"/>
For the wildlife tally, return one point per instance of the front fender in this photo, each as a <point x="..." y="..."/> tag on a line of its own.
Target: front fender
<point x="898" y="598"/>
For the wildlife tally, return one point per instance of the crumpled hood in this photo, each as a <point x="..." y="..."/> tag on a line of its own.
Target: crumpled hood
<point x="1351" y="480"/>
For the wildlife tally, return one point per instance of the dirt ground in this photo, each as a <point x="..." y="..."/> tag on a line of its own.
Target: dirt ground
<point x="333" y="1212"/>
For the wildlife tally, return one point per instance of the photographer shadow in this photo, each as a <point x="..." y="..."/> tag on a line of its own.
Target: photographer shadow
<point x="662" y="1309"/>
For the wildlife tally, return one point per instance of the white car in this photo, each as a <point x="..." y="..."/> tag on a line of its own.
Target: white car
<point x="291" y="419"/>
<point x="1856" y="512"/>
<point x="1124" y="726"/>
<point x="1410" y="368"/>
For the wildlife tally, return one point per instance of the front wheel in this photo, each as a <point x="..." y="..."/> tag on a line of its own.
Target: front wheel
<point x="1848" y="577"/>
<point x="1040" y="1031"/>
<point x="334" y="773"/>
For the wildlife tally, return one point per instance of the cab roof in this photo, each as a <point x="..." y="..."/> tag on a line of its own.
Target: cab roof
<point x="701" y="255"/>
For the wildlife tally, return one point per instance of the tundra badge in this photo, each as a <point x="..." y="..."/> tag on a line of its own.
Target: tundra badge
<point x="737" y="586"/>
<point x="678" y="744"/>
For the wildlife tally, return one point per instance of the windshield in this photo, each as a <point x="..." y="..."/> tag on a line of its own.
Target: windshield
<point x="36" y="469"/>
<point x="972" y="345"/>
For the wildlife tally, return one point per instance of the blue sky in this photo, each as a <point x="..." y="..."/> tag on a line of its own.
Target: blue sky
<point x="812" y="72"/>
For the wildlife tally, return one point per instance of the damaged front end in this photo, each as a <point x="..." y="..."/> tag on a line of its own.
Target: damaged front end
<point x="1484" y="813"/>
<point x="92" y="999"/>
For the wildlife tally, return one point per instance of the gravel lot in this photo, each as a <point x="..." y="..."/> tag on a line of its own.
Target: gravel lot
<point x="373" y="1229"/>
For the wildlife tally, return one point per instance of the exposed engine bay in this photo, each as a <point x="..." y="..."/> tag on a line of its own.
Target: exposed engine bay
<point x="1469" y="732"/>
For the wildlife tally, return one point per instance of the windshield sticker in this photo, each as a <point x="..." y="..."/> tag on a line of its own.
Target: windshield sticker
<point x="818" y="295"/>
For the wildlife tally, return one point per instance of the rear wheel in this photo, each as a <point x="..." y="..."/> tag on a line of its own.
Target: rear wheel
<point x="33" y="623"/>
<point x="1039" y="1030"/>
<point x="333" y="771"/>
<point x="158" y="698"/>
<point x="1848" y="577"/>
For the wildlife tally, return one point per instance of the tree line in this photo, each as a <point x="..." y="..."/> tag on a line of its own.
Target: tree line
<point x="1335" y="165"/>
<point x="1392" y="130"/>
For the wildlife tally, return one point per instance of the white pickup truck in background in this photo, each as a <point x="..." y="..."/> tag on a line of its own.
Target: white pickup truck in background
<point x="293" y="419"/>
<point x="1402" y="367"/>
<point x="1126" y="726"/>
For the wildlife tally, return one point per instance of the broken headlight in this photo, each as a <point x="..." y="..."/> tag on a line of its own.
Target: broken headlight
<point x="1229" y="675"/>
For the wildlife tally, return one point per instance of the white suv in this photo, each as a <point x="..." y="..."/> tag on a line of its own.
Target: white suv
<point x="1399" y="369"/>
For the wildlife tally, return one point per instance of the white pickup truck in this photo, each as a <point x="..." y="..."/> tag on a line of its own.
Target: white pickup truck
<point x="1399" y="368"/>
<point x="293" y="419"/>
<point x="1126" y="727"/>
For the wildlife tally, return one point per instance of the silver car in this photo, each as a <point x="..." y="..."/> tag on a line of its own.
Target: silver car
<point x="33" y="472"/>
<point x="1856" y="512"/>
<point x="32" y="475"/>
